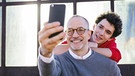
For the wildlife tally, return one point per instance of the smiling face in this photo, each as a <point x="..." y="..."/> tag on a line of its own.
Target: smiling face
<point x="79" y="39"/>
<point x="103" y="31"/>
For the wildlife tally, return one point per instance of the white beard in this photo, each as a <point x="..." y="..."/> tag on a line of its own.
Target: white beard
<point x="76" y="47"/>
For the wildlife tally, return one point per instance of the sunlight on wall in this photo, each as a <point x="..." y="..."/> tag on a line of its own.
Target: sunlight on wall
<point x="21" y="30"/>
<point x="92" y="10"/>
<point x="21" y="37"/>
<point x="126" y="41"/>
<point x="45" y="13"/>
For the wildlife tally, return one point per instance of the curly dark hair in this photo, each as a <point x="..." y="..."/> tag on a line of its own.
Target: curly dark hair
<point x="113" y="19"/>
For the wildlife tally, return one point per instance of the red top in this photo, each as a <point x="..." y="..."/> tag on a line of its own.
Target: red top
<point x="116" y="55"/>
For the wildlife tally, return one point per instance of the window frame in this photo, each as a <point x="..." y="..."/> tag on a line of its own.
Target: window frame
<point x="33" y="70"/>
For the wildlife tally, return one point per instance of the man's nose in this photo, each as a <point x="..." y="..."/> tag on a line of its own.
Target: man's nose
<point x="75" y="34"/>
<point x="102" y="32"/>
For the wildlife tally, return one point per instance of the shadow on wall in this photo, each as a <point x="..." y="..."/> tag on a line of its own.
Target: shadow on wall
<point x="130" y="28"/>
<point x="129" y="45"/>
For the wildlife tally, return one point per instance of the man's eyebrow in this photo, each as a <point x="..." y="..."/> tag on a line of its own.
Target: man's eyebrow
<point x="101" y="25"/>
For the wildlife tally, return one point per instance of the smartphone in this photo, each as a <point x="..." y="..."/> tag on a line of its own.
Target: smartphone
<point x="57" y="13"/>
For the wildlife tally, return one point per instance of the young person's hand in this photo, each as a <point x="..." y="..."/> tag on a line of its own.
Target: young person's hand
<point x="93" y="44"/>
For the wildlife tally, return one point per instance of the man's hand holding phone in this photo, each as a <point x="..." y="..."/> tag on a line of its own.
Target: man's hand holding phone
<point x="48" y="44"/>
<point x="51" y="35"/>
<point x="57" y="13"/>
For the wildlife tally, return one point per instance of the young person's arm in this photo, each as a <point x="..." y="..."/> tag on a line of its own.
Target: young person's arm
<point x="104" y="51"/>
<point x="113" y="54"/>
<point x="59" y="49"/>
<point x="109" y="49"/>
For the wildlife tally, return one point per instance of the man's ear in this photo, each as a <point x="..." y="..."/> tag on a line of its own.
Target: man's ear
<point x="89" y="32"/>
<point x="94" y="26"/>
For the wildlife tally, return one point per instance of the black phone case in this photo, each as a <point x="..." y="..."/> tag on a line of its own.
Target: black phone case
<point x="57" y="13"/>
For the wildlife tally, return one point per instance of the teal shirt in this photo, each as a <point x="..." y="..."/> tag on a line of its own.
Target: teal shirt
<point x="65" y="65"/>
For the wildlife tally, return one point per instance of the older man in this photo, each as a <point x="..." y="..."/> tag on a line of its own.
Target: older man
<point x="79" y="60"/>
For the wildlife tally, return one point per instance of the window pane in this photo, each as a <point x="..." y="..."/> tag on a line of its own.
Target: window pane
<point x="0" y="31"/>
<point x="45" y="13"/>
<point x="21" y="35"/>
<point x="18" y="0"/>
<point x="92" y="10"/>
<point x="126" y="41"/>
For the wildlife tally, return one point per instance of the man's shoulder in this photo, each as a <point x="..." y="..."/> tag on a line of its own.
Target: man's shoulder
<point x="63" y="55"/>
<point x="102" y="59"/>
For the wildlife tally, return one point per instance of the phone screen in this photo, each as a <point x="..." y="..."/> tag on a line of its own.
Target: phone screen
<point x="57" y="13"/>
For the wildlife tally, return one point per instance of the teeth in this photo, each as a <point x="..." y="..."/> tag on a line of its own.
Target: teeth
<point x="75" y="40"/>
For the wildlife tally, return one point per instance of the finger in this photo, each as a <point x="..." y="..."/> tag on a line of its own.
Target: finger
<point x="48" y="48"/>
<point x="49" y="32"/>
<point x="50" y="44"/>
<point x="51" y="25"/>
<point x="54" y="30"/>
<point x="45" y="23"/>
<point x="58" y="38"/>
<point x="46" y="33"/>
<point x="44" y="40"/>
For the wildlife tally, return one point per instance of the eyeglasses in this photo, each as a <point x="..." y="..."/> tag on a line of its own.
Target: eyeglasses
<point x="79" y="30"/>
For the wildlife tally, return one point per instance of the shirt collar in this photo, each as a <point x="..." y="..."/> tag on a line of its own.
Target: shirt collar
<point x="79" y="57"/>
